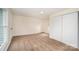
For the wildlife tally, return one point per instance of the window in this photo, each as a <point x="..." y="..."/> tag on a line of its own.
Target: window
<point x="3" y="26"/>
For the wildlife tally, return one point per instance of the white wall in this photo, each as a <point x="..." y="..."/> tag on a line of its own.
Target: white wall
<point x="26" y="25"/>
<point x="45" y="23"/>
<point x="10" y="26"/>
<point x="23" y="25"/>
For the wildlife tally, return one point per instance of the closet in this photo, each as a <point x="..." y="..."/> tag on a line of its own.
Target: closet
<point x="64" y="28"/>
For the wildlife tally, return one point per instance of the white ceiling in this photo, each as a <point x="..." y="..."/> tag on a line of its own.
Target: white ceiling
<point x="35" y="12"/>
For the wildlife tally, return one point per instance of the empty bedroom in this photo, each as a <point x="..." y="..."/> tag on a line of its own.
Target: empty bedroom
<point x="39" y="29"/>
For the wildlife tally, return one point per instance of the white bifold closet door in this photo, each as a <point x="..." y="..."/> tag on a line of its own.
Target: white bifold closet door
<point x="64" y="28"/>
<point x="56" y="28"/>
<point x="70" y="29"/>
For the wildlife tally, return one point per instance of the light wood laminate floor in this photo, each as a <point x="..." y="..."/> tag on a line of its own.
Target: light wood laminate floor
<point x="38" y="42"/>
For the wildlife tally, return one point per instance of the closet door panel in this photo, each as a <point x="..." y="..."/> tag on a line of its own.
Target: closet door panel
<point x="56" y="28"/>
<point x="70" y="27"/>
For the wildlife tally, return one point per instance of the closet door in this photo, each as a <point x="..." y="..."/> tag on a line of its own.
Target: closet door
<point x="70" y="29"/>
<point x="56" y="28"/>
